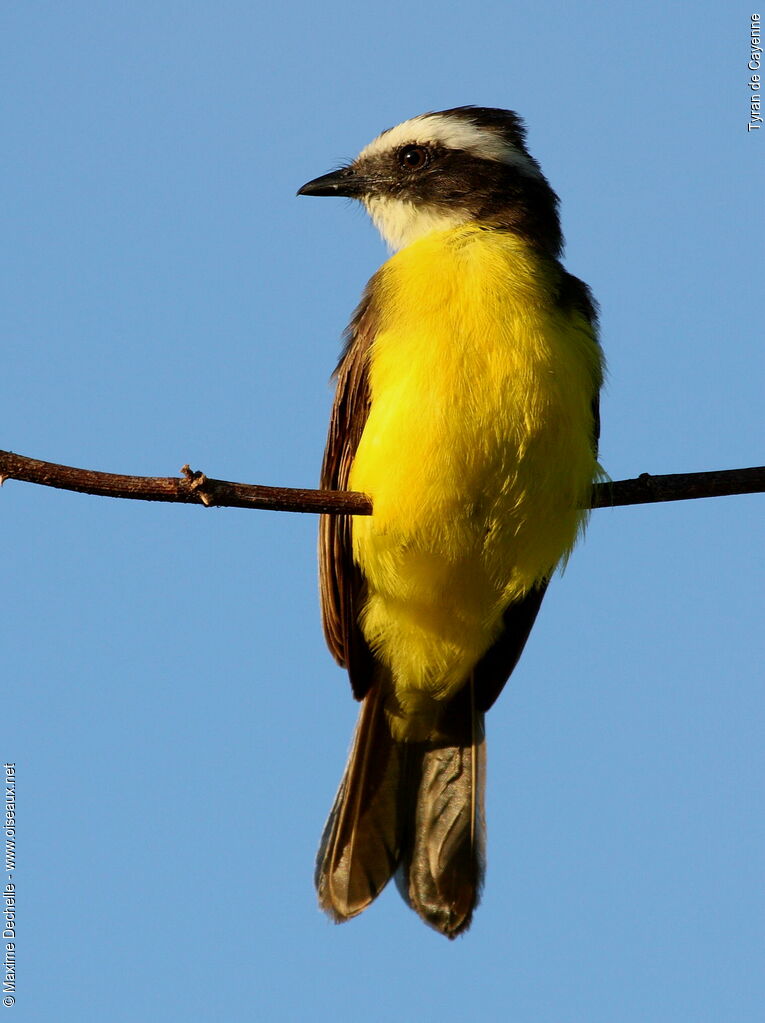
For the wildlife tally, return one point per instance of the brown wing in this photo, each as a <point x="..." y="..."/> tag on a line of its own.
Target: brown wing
<point x="497" y="664"/>
<point x="340" y="581"/>
<point x="575" y="297"/>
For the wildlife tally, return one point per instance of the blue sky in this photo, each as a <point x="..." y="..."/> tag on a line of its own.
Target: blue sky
<point x="178" y="726"/>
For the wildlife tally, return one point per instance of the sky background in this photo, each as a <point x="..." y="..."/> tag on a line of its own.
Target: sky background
<point x="178" y="726"/>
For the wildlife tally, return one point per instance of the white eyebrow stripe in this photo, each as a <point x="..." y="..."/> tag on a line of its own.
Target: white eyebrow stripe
<point x="452" y="133"/>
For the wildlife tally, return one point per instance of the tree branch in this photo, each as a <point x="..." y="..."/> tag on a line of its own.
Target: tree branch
<point x="196" y="488"/>
<point x="682" y="486"/>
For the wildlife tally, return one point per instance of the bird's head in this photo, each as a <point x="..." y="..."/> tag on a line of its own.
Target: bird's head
<point x="447" y="168"/>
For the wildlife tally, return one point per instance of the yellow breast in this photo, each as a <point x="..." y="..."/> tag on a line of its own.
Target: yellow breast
<point x="478" y="449"/>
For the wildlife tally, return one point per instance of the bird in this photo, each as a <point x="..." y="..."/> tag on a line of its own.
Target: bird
<point x="467" y="409"/>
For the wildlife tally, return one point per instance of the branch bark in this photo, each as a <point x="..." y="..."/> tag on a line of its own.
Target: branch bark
<point x="197" y="488"/>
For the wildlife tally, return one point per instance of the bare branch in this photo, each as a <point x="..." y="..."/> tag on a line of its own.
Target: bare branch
<point x="193" y="488"/>
<point x="197" y="488"/>
<point x="683" y="486"/>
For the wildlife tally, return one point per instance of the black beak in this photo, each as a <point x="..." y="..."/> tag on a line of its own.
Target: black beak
<point x="343" y="182"/>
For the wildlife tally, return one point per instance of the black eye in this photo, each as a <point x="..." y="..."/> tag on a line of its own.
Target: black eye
<point x="414" y="157"/>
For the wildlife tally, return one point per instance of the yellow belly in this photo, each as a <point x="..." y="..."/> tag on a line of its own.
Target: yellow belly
<point x="477" y="453"/>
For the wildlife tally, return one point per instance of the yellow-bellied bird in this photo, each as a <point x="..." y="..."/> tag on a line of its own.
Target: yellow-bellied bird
<point x="467" y="408"/>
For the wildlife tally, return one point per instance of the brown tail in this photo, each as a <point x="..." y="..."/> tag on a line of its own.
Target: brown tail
<point x="415" y="809"/>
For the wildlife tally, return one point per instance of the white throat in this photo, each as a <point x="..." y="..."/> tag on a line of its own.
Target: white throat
<point x="400" y="222"/>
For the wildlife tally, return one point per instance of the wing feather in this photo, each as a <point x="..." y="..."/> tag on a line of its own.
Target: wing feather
<point x="341" y="584"/>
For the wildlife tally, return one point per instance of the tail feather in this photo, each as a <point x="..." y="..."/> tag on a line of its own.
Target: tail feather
<point x="361" y="843"/>
<point x="415" y="809"/>
<point x="441" y="875"/>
